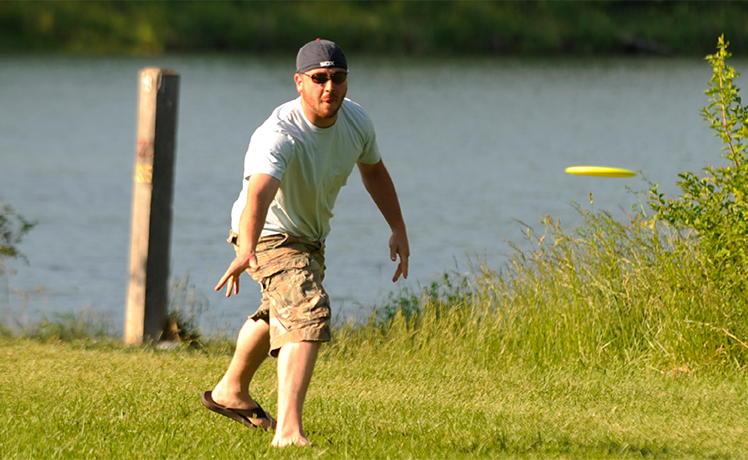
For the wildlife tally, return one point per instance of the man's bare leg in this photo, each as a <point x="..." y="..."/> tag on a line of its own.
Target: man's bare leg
<point x="295" y="366"/>
<point x="252" y="347"/>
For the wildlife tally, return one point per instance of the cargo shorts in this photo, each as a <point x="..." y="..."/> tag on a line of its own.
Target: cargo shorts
<point x="294" y="303"/>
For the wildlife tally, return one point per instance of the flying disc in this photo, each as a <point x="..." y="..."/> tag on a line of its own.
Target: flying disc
<point x="600" y="171"/>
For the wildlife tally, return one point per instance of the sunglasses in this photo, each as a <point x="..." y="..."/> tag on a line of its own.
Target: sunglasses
<point x="322" y="78"/>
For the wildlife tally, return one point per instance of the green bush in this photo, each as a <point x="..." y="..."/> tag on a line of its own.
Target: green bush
<point x="384" y="27"/>
<point x="713" y="209"/>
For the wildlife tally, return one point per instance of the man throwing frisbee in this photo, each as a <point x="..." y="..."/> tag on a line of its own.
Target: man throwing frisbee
<point x="296" y="164"/>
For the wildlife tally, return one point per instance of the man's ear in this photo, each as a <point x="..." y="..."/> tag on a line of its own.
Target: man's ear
<point x="299" y="80"/>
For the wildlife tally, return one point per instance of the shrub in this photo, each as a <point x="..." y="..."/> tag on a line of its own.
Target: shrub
<point x="713" y="208"/>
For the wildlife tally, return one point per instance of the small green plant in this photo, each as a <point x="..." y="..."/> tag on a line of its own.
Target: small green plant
<point x="85" y="325"/>
<point x="715" y="206"/>
<point x="13" y="227"/>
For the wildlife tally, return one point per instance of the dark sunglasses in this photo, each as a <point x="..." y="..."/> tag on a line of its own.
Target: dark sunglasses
<point x="321" y="78"/>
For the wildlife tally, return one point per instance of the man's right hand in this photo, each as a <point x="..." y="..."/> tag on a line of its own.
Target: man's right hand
<point x="260" y="193"/>
<point x="238" y="266"/>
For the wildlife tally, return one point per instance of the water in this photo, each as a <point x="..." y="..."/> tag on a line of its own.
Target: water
<point x="473" y="146"/>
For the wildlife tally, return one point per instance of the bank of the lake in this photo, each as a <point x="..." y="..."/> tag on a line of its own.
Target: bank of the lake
<point x="392" y="27"/>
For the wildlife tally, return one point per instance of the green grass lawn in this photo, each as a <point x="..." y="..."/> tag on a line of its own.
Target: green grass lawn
<point x="71" y="400"/>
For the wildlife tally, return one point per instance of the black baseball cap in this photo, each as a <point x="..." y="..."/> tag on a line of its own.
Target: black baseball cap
<point x="320" y="54"/>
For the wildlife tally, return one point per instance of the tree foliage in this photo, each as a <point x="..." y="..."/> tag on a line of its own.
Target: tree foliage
<point x="388" y="27"/>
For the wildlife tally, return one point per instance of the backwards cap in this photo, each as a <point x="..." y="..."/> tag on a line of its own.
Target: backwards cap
<point x="320" y="54"/>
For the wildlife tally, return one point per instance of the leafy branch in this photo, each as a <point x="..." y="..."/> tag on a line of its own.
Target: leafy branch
<point x="714" y="207"/>
<point x="13" y="227"/>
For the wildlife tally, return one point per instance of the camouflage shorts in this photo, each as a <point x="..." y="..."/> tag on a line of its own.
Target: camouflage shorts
<point x="294" y="303"/>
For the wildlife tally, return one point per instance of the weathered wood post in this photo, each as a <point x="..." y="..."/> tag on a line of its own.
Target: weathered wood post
<point x="148" y="292"/>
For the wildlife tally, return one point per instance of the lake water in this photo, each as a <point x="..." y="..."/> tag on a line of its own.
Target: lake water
<point x="473" y="146"/>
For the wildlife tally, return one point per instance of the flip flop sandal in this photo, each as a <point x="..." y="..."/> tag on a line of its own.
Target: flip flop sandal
<point x="243" y="416"/>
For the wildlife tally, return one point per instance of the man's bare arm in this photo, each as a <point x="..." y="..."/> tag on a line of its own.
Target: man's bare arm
<point x="379" y="184"/>
<point x="260" y="193"/>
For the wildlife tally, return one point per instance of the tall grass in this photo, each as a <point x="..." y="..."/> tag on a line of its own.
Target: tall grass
<point x="607" y="293"/>
<point x="86" y="325"/>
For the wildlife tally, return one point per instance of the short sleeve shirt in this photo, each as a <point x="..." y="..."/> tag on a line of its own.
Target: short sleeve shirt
<point x="312" y="164"/>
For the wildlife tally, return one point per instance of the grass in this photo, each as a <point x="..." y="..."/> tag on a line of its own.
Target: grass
<point x="72" y="400"/>
<point x="607" y="341"/>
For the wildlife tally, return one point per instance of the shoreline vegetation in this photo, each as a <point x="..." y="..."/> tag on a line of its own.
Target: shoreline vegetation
<point x="414" y="28"/>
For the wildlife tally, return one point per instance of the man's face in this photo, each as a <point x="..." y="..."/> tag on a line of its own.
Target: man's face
<point x="321" y="100"/>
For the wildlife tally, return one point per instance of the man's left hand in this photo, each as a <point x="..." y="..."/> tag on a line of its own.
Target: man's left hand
<point x="399" y="247"/>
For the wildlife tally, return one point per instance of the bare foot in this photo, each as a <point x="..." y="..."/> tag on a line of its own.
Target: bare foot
<point x="300" y="441"/>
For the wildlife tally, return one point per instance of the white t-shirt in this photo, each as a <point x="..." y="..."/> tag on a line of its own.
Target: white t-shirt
<point x="312" y="164"/>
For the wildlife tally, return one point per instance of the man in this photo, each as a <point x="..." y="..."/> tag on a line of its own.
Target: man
<point x="295" y="165"/>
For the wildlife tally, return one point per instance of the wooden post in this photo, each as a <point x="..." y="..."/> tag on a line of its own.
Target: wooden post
<point x="148" y="293"/>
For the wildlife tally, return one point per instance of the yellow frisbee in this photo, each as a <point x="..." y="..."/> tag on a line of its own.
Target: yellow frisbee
<point x="600" y="171"/>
